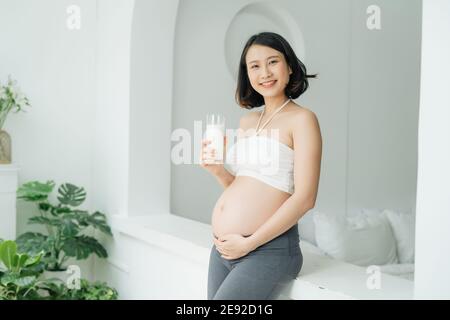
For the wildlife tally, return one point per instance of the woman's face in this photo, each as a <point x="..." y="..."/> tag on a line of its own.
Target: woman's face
<point x="267" y="70"/>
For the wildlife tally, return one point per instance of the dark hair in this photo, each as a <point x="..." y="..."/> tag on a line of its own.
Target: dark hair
<point x="246" y="96"/>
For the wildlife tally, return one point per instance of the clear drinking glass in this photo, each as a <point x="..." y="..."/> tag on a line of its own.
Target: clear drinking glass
<point x="215" y="132"/>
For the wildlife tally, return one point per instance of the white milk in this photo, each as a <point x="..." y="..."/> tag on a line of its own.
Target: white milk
<point x="215" y="133"/>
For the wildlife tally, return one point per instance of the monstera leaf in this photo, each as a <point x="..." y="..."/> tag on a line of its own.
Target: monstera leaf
<point x="97" y="220"/>
<point x="71" y="195"/>
<point x="69" y="228"/>
<point x="64" y="223"/>
<point x="44" y="221"/>
<point x="35" y="191"/>
<point x="59" y="210"/>
<point x="82" y="246"/>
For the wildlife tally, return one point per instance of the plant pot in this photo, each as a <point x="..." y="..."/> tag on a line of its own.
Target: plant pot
<point x="68" y="278"/>
<point x="5" y="147"/>
<point x="61" y="275"/>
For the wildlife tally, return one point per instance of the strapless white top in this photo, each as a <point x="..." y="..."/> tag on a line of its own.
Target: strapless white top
<point x="263" y="158"/>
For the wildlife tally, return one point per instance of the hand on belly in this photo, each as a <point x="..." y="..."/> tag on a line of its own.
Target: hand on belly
<point x="233" y="246"/>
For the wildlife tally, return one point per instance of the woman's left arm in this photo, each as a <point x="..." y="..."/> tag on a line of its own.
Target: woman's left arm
<point x="307" y="141"/>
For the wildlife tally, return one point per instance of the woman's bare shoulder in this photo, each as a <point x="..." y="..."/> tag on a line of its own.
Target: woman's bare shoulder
<point x="249" y="118"/>
<point x="299" y="118"/>
<point x="301" y="112"/>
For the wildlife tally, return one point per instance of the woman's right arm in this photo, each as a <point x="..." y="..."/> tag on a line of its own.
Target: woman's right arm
<point x="225" y="178"/>
<point x="219" y="171"/>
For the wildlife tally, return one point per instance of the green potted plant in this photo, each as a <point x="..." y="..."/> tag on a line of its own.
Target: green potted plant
<point x="11" y="99"/>
<point x="20" y="274"/>
<point x="87" y="291"/>
<point x="66" y="225"/>
<point x="22" y="278"/>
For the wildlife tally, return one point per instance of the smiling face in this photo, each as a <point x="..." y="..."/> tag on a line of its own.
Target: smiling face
<point x="267" y="70"/>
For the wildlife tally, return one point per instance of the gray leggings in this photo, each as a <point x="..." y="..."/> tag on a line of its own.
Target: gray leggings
<point x="260" y="274"/>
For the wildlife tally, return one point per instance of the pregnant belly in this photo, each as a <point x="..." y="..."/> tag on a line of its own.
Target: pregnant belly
<point x="245" y="205"/>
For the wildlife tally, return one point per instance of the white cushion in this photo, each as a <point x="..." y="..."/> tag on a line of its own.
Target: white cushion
<point x="362" y="240"/>
<point x="404" y="270"/>
<point x="372" y="211"/>
<point x="306" y="227"/>
<point x="307" y="246"/>
<point x="403" y="226"/>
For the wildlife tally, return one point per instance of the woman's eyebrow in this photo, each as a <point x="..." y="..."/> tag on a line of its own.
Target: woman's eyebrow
<point x="266" y="59"/>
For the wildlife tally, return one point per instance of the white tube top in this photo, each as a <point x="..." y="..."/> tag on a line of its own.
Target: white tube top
<point x="263" y="158"/>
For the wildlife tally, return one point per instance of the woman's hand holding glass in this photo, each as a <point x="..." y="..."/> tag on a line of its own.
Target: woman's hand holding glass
<point x="207" y="157"/>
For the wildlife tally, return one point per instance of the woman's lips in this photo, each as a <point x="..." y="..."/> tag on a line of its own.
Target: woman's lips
<point x="268" y="84"/>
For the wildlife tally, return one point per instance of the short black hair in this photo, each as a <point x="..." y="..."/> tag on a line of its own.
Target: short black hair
<point x="246" y="96"/>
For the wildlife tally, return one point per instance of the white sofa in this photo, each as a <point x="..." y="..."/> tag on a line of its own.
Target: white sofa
<point x="383" y="238"/>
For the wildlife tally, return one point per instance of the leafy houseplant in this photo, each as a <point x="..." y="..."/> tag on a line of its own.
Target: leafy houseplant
<point x="11" y="99"/>
<point x="66" y="225"/>
<point x="21" y="278"/>
<point x="19" y="273"/>
<point x="88" y="291"/>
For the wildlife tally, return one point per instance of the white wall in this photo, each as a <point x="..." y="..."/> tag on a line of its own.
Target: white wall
<point x="432" y="277"/>
<point x="55" y="68"/>
<point x="383" y="107"/>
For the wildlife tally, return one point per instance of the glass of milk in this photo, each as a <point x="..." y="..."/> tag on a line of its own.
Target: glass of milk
<point x="215" y="132"/>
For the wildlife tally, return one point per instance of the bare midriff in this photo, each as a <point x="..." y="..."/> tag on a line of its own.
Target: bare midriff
<point x="245" y="205"/>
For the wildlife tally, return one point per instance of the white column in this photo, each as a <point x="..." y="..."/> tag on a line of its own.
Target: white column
<point x="8" y="187"/>
<point x="151" y="73"/>
<point x="432" y="276"/>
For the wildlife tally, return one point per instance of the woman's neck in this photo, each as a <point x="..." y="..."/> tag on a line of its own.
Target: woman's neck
<point x="273" y="103"/>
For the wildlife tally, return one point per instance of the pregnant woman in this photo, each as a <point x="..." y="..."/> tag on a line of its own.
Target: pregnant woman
<point x="256" y="242"/>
